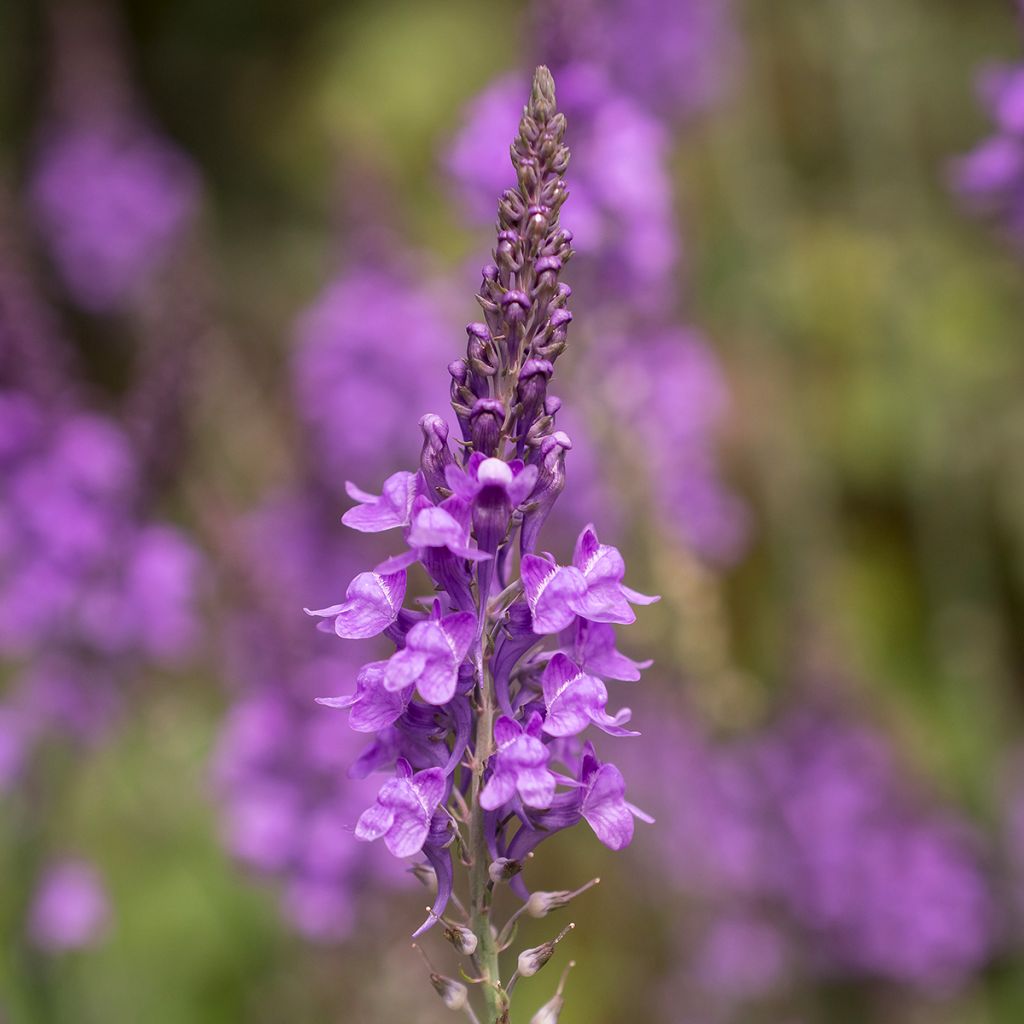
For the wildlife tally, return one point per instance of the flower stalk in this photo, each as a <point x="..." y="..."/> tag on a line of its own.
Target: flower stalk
<point x="471" y="711"/>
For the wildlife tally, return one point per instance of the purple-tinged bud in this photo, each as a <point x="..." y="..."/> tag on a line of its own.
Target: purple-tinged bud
<point x="540" y="904"/>
<point x="537" y="224"/>
<point x="504" y="869"/>
<point x="480" y="356"/>
<point x="532" y="960"/>
<point x="511" y="206"/>
<point x="550" y="484"/>
<point x="532" y="389"/>
<point x="547" y="268"/>
<point x="552" y="1009"/>
<point x="505" y="252"/>
<point x="516" y="305"/>
<point x="461" y="394"/>
<point x="551" y="405"/>
<point x="453" y="993"/>
<point x="489" y="272"/>
<point x="485" y="423"/>
<point x="527" y="173"/>
<point x="435" y="454"/>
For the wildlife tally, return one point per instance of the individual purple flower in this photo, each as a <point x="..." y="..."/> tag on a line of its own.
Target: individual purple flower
<point x="575" y="699"/>
<point x="373" y="706"/>
<point x="372" y="603"/>
<point x="519" y="765"/>
<point x="493" y="489"/>
<point x="431" y="657"/>
<point x="404" y="807"/>
<point x="604" y="806"/>
<point x="390" y="509"/>
<point x="607" y="598"/>
<point x="70" y="909"/>
<point x="592" y="645"/>
<point x="591" y="587"/>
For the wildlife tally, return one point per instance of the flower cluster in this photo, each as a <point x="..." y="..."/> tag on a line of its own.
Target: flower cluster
<point x="991" y="178"/>
<point x="86" y="587"/>
<point x="811" y="853"/>
<point x="479" y="712"/>
<point x="287" y="776"/>
<point x="343" y="365"/>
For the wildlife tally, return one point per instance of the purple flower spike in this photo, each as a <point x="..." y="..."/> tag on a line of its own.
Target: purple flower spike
<point x="593" y="647"/>
<point x="520" y="764"/>
<point x="373" y="706"/>
<point x="606" y="599"/>
<point x="404" y="807"/>
<point x="604" y="805"/>
<point x="552" y="592"/>
<point x="430" y="660"/>
<point x="376" y="513"/>
<point x="373" y="601"/>
<point x="575" y="699"/>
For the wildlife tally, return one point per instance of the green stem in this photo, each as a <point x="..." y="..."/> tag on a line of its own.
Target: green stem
<point x="479" y="880"/>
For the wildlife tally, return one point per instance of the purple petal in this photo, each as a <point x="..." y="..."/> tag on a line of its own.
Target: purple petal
<point x="391" y="509"/>
<point x="430" y="787"/>
<point x="573" y="699"/>
<point x="604" y="602"/>
<point x="536" y="786"/>
<point x="500" y="788"/>
<point x="637" y="598"/>
<point x="373" y="602"/>
<point x="549" y="589"/>
<point x="460" y="630"/>
<point x="374" y="822"/>
<point x="345" y="701"/>
<point x="604" y="807"/>
<point x="404" y="668"/>
<point x="506" y="730"/>
<point x="595" y="650"/>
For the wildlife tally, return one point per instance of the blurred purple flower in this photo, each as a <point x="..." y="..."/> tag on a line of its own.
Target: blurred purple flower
<point x="70" y="909"/>
<point x="111" y="200"/>
<point x="990" y="179"/>
<point x="812" y="819"/>
<point x="354" y="405"/>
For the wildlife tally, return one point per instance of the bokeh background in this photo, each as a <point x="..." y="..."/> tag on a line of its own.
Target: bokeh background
<point x="238" y="245"/>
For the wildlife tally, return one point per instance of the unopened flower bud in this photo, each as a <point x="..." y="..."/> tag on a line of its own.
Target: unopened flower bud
<point x="532" y="388"/>
<point x="552" y="1009"/>
<point x="453" y="993"/>
<point x="485" y="423"/>
<point x="547" y="268"/>
<point x="502" y="869"/>
<point x="532" y="960"/>
<point x="461" y="937"/>
<point x="435" y="454"/>
<point x="540" y="904"/>
<point x="516" y="305"/>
